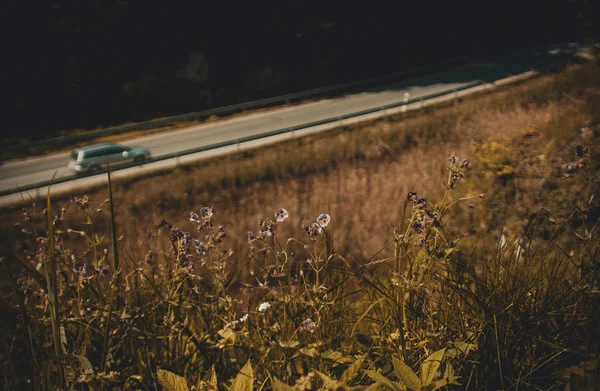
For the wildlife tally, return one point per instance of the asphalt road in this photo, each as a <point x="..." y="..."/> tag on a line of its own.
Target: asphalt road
<point x="16" y="174"/>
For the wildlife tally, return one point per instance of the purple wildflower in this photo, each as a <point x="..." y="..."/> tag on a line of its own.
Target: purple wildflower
<point x="103" y="270"/>
<point x="465" y="163"/>
<point x="419" y="226"/>
<point x="453" y="159"/>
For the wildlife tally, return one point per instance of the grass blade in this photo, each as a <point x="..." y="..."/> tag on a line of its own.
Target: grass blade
<point x="115" y="281"/>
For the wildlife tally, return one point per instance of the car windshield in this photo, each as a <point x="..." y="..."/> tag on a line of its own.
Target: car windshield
<point x="74" y="155"/>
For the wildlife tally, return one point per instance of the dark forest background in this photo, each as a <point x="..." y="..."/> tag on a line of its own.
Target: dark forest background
<point x="87" y="64"/>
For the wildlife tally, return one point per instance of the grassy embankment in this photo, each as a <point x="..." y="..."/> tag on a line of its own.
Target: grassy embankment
<point x="389" y="280"/>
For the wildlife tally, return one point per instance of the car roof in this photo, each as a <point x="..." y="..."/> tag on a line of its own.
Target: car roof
<point x="95" y="146"/>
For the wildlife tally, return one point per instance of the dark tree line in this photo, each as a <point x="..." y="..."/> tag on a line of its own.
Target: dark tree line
<point x="84" y="64"/>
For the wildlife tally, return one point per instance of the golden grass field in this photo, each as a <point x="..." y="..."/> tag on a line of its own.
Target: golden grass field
<point x="525" y="313"/>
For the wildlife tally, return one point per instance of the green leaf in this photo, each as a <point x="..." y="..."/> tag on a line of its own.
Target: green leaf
<point x="85" y="363"/>
<point x="440" y="383"/>
<point x="324" y="378"/>
<point x="228" y="335"/>
<point x="380" y="379"/>
<point x="289" y="344"/>
<point x="311" y="352"/>
<point x="377" y="387"/>
<point x="209" y="381"/>
<point x="352" y="370"/>
<point x="171" y="382"/>
<point x="278" y="385"/>
<point x="244" y="380"/>
<point x="431" y="365"/>
<point x="408" y="377"/>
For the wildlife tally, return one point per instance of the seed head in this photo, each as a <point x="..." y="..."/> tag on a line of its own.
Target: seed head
<point x="323" y="220"/>
<point x="281" y="215"/>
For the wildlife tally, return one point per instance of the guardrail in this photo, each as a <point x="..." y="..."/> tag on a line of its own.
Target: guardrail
<point x="231" y="109"/>
<point x="248" y="138"/>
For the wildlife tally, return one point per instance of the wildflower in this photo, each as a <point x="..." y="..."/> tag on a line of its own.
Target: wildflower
<point x="206" y="213"/>
<point x="465" y="163"/>
<point x="201" y="247"/>
<point x="323" y="220"/>
<point x="419" y="226"/>
<point x="264" y="232"/>
<point x="194" y="218"/>
<point x="312" y="229"/>
<point x="80" y="268"/>
<point x="251" y="237"/>
<point x="264" y="307"/>
<point x="244" y="318"/>
<point x="177" y="234"/>
<point x="412" y="196"/>
<point x="308" y="326"/>
<point x="281" y="215"/>
<point x="421" y="202"/>
<point x="453" y="159"/>
<point x="103" y="270"/>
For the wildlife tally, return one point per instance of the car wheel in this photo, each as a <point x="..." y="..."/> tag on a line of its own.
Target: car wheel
<point x="94" y="168"/>
<point x="139" y="159"/>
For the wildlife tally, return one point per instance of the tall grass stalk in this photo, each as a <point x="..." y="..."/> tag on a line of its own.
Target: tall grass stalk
<point x="115" y="282"/>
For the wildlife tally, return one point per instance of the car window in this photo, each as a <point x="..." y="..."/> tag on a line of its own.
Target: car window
<point x="97" y="152"/>
<point x="114" y="149"/>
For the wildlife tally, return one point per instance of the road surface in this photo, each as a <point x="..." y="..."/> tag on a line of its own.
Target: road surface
<point x="31" y="171"/>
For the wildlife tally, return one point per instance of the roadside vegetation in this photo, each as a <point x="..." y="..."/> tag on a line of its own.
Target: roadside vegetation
<point x="453" y="248"/>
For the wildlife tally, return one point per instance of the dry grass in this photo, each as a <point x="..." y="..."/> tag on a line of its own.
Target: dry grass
<point x="393" y="293"/>
<point x="359" y="173"/>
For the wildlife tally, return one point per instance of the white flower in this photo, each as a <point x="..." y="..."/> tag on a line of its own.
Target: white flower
<point x="194" y="218"/>
<point x="281" y="215"/>
<point x="264" y="306"/>
<point x="244" y="318"/>
<point x="323" y="220"/>
<point x="206" y="213"/>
